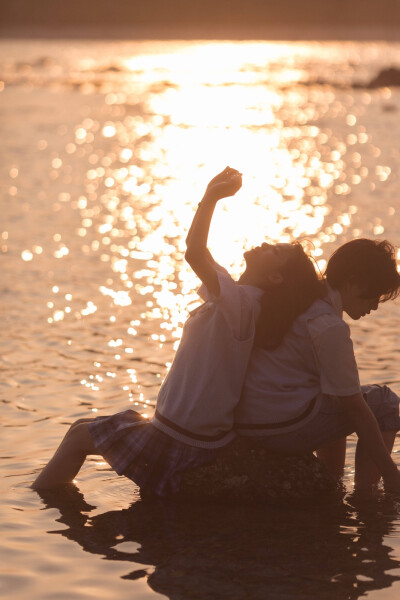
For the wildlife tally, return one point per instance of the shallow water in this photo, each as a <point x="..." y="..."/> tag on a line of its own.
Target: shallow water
<point x="106" y="150"/>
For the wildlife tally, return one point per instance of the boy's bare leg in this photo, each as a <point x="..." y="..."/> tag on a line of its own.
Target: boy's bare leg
<point x="367" y="474"/>
<point x="68" y="458"/>
<point x="333" y="456"/>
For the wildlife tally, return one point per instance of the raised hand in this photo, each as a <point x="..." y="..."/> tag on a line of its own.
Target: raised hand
<point x="197" y="255"/>
<point x="225" y="184"/>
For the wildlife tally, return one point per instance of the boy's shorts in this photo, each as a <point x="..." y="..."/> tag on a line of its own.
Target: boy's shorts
<point x="332" y="422"/>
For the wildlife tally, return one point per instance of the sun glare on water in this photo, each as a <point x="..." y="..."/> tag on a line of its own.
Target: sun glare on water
<point x="172" y="117"/>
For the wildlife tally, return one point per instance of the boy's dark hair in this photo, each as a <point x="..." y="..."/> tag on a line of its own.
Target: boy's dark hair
<point x="280" y="306"/>
<point x="370" y="264"/>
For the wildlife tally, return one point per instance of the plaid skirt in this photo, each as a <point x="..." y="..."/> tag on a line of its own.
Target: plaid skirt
<point x="135" y="448"/>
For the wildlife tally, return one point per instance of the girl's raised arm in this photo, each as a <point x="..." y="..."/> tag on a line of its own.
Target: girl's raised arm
<point x="197" y="254"/>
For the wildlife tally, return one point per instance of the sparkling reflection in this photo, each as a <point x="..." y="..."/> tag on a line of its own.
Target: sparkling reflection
<point x="106" y="150"/>
<point x="148" y="160"/>
<point x="139" y="131"/>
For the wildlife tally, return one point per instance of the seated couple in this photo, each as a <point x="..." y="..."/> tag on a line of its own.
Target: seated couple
<point x="268" y="356"/>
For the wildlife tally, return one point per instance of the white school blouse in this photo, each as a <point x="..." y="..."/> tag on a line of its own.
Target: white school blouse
<point x="197" y="399"/>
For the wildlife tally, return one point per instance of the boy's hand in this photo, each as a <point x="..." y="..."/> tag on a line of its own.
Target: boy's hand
<point x="392" y="483"/>
<point x="224" y="184"/>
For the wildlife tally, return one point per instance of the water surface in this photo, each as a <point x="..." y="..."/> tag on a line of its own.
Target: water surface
<point x="106" y="150"/>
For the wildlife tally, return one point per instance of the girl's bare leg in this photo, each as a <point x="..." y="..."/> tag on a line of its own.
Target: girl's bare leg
<point x="68" y="458"/>
<point x="333" y="456"/>
<point x="366" y="474"/>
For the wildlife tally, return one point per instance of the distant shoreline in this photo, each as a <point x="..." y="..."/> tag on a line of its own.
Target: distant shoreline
<point x="262" y="33"/>
<point x="201" y="19"/>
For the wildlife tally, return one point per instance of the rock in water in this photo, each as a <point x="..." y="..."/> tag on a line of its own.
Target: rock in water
<point x="386" y="78"/>
<point x="246" y="471"/>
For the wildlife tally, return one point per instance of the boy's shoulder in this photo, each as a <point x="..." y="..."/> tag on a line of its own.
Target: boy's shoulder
<point x="319" y="308"/>
<point x="322" y="316"/>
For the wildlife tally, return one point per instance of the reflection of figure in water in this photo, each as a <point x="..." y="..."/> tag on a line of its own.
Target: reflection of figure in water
<point x="195" y="406"/>
<point x="305" y="395"/>
<point x="331" y="551"/>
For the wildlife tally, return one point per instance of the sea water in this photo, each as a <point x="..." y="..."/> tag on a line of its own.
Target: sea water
<point x="106" y="149"/>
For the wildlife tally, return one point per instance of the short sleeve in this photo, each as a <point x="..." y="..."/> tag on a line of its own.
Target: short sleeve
<point x="335" y="355"/>
<point x="203" y="291"/>
<point x="239" y="304"/>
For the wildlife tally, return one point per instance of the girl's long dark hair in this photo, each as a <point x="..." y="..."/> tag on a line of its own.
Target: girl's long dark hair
<point x="281" y="305"/>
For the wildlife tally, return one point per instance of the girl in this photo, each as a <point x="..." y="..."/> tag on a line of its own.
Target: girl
<point x="302" y="392"/>
<point x="195" y="405"/>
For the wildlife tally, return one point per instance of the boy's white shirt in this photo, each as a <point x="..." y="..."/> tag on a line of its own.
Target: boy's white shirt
<point x="283" y="387"/>
<point x="334" y="350"/>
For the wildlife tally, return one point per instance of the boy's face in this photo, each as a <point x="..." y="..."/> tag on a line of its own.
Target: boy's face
<point x="354" y="302"/>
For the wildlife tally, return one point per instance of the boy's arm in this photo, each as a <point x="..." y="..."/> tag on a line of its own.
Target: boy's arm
<point x="368" y="432"/>
<point x="197" y="254"/>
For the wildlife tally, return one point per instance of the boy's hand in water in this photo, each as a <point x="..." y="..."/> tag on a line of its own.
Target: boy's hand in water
<point x="392" y="483"/>
<point x="224" y="184"/>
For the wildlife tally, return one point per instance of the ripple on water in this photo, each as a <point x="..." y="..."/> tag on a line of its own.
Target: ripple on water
<point x="105" y="155"/>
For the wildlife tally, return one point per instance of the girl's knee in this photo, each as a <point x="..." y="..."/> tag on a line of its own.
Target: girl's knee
<point x="80" y="421"/>
<point x="77" y="424"/>
<point x="79" y="437"/>
<point x="392" y="402"/>
<point x="384" y="403"/>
